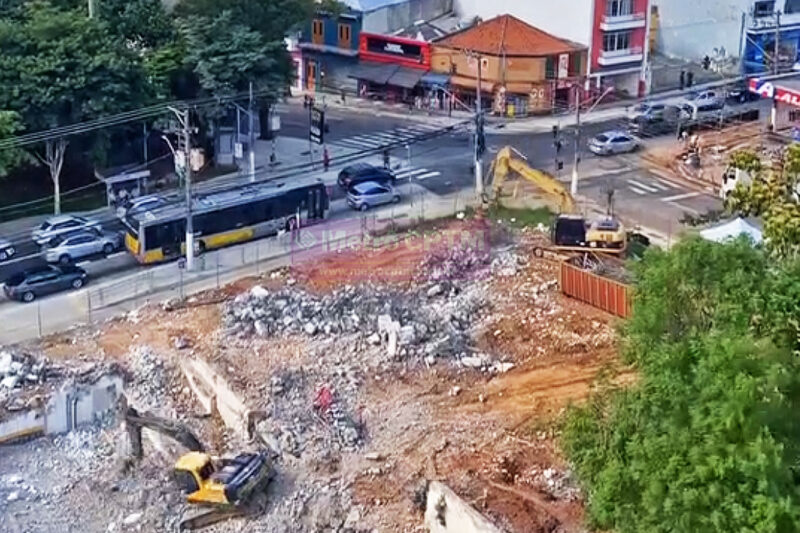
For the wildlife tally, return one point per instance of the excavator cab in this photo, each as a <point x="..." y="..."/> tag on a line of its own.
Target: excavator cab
<point x="231" y="484"/>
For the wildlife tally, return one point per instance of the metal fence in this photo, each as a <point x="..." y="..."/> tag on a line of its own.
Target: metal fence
<point x="597" y="291"/>
<point x="147" y="284"/>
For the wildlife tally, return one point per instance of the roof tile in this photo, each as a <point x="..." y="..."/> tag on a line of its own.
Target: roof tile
<point x="508" y="35"/>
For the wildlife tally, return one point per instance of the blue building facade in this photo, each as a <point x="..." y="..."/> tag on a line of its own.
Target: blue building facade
<point x="758" y="54"/>
<point x="329" y="45"/>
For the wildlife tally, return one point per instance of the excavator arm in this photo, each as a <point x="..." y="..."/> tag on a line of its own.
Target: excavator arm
<point x="506" y="162"/>
<point x="135" y="421"/>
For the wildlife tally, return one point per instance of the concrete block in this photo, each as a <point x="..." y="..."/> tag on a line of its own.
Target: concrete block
<point x="445" y="512"/>
<point x="215" y="395"/>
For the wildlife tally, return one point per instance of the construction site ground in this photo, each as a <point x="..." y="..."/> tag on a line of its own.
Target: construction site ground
<point x="482" y="419"/>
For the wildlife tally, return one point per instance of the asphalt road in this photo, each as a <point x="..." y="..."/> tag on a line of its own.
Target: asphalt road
<point x="443" y="166"/>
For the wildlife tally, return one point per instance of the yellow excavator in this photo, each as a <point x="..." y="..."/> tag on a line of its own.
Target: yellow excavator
<point x="571" y="231"/>
<point x="226" y="488"/>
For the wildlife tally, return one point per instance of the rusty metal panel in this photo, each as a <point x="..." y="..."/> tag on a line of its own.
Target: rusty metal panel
<point x="597" y="291"/>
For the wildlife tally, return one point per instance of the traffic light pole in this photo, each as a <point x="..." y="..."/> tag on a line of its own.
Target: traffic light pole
<point x="478" y="137"/>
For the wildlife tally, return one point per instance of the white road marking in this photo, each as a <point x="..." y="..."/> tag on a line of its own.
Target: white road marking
<point x="637" y="191"/>
<point x="670" y="183"/>
<point x="409" y="172"/>
<point x="659" y="186"/>
<point x="635" y="183"/>
<point x="680" y="196"/>
<point x="428" y="175"/>
<point x="683" y="207"/>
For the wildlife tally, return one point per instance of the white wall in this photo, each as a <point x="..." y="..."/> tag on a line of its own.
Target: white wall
<point x="547" y="15"/>
<point x="692" y="29"/>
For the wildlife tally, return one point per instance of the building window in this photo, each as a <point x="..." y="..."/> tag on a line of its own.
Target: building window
<point x="619" y="8"/>
<point x="791" y="6"/>
<point x="620" y="40"/>
<point x="344" y="35"/>
<point x="764" y="8"/>
<point x="316" y="30"/>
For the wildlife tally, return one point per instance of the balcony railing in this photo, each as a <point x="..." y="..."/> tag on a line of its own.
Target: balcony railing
<point x="618" y="57"/>
<point x="623" y="22"/>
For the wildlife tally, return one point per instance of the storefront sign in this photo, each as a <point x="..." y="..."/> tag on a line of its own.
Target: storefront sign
<point x="767" y="89"/>
<point x="563" y="65"/>
<point x="397" y="50"/>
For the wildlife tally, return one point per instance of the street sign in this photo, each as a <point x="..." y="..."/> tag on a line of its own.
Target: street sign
<point x="316" y="132"/>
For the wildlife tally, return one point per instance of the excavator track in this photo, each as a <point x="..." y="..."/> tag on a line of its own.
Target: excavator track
<point x="208" y="517"/>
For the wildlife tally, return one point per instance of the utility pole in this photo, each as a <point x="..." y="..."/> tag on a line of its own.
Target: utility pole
<point x="573" y="188"/>
<point x="777" y="41"/>
<point x="252" y="141"/>
<point x="187" y="132"/>
<point x="478" y="136"/>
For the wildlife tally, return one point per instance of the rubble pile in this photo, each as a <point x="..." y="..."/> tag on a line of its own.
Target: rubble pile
<point x="456" y="263"/>
<point x="149" y="386"/>
<point x="433" y="320"/>
<point x="18" y="369"/>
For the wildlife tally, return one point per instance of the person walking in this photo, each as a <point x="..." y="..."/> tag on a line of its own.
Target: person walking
<point x="683" y="79"/>
<point x="689" y="79"/>
<point x="326" y="158"/>
<point x="386" y="158"/>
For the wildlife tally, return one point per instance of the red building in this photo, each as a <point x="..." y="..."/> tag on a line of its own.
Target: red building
<point x="391" y="67"/>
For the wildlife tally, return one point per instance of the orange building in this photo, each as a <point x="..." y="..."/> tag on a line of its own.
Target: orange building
<point x="523" y="69"/>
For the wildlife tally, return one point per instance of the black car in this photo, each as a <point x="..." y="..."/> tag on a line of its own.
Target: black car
<point x="360" y="172"/>
<point x="29" y="285"/>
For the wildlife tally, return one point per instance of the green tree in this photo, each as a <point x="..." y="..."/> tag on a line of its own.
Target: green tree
<point x="706" y="440"/>
<point x="10" y="158"/>
<point x="58" y="68"/>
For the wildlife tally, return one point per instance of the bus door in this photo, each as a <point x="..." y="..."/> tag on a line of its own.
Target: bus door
<point x="315" y="204"/>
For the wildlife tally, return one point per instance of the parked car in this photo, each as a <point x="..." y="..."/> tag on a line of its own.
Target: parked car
<point x="68" y="247"/>
<point x="141" y="204"/>
<point x="613" y="142"/>
<point x="707" y="100"/>
<point x="29" y="285"/>
<point x="658" y="121"/>
<point x="739" y="93"/>
<point x="361" y="172"/>
<point x="368" y="194"/>
<point x="7" y="250"/>
<point x="58" y="225"/>
<point x="647" y="111"/>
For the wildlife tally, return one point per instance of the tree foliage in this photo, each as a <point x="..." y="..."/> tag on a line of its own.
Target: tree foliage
<point x="10" y="125"/>
<point x="707" y="440"/>
<point x="773" y="195"/>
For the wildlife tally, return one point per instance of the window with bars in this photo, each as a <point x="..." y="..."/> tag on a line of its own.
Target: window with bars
<point x="317" y="31"/>
<point x="619" y="40"/>
<point x="619" y="8"/>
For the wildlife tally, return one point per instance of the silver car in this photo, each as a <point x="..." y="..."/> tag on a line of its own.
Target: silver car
<point x="59" y="225"/>
<point x="368" y="194"/>
<point x="7" y="250"/>
<point x="77" y="245"/>
<point x="613" y="142"/>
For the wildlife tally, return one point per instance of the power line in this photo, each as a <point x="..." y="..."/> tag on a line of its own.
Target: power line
<point x="118" y="119"/>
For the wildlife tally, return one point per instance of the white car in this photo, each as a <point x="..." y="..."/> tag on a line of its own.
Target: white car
<point x="707" y="100"/>
<point x="141" y="204"/>
<point x="613" y="142"/>
<point x="7" y="250"/>
<point x="58" y="225"/>
<point x="66" y="248"/>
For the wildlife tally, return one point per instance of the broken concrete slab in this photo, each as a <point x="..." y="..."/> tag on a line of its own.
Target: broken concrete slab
<point x="215" y="395"/>
<point x="445" y="512"/>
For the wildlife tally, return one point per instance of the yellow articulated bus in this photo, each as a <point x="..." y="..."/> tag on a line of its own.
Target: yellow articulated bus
<point x="227" y="217"/>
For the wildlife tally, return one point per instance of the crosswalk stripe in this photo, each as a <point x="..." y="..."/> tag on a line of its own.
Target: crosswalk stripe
<point x="642" y="186"/>
<point x="409" y="172"/>
<point x="669" y="183"/>
<point x="432" y="174"/>
<point x="680" y="196"/>
<point x="365" y="140"/>
<point x="638" y="191"/>
<point x="659" y="186"/>
<point x="345" y="143"/>
<point x="412" y="131"/>
<point x="687" y="209"/>
<point x="391" y="138"/>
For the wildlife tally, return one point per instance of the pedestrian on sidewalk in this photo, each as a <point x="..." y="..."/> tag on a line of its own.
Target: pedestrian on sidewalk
<point x="689" y="79"/>
<point x="386" y="158"/>
<point x="344" y="98"/>
<point x="326" y="158"/>
<point x="683" y="79"/>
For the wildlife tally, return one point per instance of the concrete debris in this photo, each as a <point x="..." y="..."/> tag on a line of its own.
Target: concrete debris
<point x="132" y="519"/>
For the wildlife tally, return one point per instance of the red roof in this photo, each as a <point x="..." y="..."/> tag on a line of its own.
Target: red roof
<point x="508" y="35"/>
